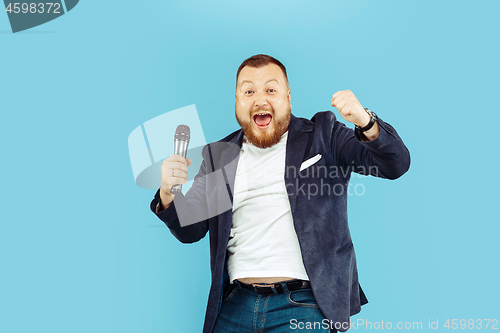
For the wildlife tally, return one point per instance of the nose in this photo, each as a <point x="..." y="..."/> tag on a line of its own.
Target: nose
<point x="260" y="101"/>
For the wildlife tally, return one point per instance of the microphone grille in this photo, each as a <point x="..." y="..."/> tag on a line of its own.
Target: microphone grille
<point x="182" y="133"/>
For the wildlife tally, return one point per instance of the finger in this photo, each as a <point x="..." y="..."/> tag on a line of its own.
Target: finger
<point x="338" y="93"/>
<point x="341" y="102"/>
<point x="178" y="166"/>
<point x="188" y="160"/>
<point x="169" y="172"/>
<point x="172" y="161"/>
<point x="178" y="173"/>
<point x="176" y="181"/>
<point x="338" y="96"/>
<point x="176" y="158"/>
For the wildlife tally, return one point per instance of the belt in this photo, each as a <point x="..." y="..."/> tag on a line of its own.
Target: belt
<point x="276" y="288"/>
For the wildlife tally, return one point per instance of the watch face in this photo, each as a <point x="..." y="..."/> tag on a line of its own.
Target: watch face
<point x="372" y="115"/>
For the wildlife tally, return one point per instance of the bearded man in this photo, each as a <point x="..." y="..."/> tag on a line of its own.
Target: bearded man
<point x="281" y="254"/>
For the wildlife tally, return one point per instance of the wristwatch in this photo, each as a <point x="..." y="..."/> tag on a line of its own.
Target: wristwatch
<point x="373" y="119"/>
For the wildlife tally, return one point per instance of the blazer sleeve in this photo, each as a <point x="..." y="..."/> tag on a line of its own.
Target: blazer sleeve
<point x="385" y="157"/>
<point x="187" y="216"/>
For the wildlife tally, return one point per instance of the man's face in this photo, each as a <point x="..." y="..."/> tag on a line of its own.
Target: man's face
<point x="263" y="104"/>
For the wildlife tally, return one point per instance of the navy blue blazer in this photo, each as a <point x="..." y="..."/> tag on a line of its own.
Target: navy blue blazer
<point x="320" y="219"/>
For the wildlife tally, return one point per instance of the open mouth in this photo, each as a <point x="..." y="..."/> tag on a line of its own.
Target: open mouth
<point x="262" y="120"/>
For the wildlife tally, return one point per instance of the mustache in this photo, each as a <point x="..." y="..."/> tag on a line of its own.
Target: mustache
<point x="260" y="108"/>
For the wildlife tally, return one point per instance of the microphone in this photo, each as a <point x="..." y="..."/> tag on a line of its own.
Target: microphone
<point x="181" y="142"/>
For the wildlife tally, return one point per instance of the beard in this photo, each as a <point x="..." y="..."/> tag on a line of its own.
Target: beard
<point x="267" y="138"/>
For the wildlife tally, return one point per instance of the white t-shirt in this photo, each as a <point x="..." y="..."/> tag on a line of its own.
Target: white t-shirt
<point x="263" y="241"/>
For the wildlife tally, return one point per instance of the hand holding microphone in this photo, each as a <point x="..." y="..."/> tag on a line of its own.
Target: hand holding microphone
<point x="174" y="168"/>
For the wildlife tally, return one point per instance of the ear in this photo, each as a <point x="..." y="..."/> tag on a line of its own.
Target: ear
<point x="289" y="97"/>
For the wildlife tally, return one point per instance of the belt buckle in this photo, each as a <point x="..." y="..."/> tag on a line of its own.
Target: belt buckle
<point x="266" y="290"/>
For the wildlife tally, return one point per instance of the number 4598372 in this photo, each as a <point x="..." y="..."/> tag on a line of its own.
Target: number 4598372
<point x="33" y="8"/>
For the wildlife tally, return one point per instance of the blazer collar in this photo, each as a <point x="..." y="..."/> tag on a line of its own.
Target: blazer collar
<point x="295" y="145"/>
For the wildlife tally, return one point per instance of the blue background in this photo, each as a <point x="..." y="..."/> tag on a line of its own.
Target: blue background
<point x="81" y="252"/>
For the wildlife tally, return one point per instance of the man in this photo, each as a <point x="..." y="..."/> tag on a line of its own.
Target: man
<point x="281" y="256"/>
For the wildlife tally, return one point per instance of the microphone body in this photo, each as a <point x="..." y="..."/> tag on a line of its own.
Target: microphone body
<point x="181" y="143"/>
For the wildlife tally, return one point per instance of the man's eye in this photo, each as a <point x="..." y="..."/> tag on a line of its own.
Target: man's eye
<point x="248" y="92"/>
<point x="271" y="90"/>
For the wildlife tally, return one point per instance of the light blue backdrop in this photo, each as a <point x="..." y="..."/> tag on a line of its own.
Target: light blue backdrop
<point x="80" y="250"/>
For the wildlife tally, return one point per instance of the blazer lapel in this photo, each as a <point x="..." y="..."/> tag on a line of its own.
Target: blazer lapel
<point x="296" y="145"/>
<point x="228" y="164"/>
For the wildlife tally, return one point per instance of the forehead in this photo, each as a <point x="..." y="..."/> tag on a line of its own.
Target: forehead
<point x="262" y="74"/>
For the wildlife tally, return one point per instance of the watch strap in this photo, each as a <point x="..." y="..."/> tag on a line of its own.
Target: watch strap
<point x="373" y="119"/>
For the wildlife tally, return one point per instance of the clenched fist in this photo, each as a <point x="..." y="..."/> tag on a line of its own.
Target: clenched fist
<point x="350" y="108"/>
<point x="174" y="171"/>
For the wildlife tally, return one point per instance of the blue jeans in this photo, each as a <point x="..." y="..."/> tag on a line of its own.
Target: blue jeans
<point x="246" y="311"/>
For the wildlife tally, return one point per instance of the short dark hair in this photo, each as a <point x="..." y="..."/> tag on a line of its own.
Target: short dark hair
<point x="260" y="60"/>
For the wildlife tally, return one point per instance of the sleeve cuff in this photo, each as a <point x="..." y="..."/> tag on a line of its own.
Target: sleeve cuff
<point x="168" y="215"/>
<point x="386" y="136"/>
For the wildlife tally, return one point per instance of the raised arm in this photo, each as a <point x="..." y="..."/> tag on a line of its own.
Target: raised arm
<point x="379" y="151"/>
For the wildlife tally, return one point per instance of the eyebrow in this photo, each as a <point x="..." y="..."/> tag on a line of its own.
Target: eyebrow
<point x="248" y="81"/>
